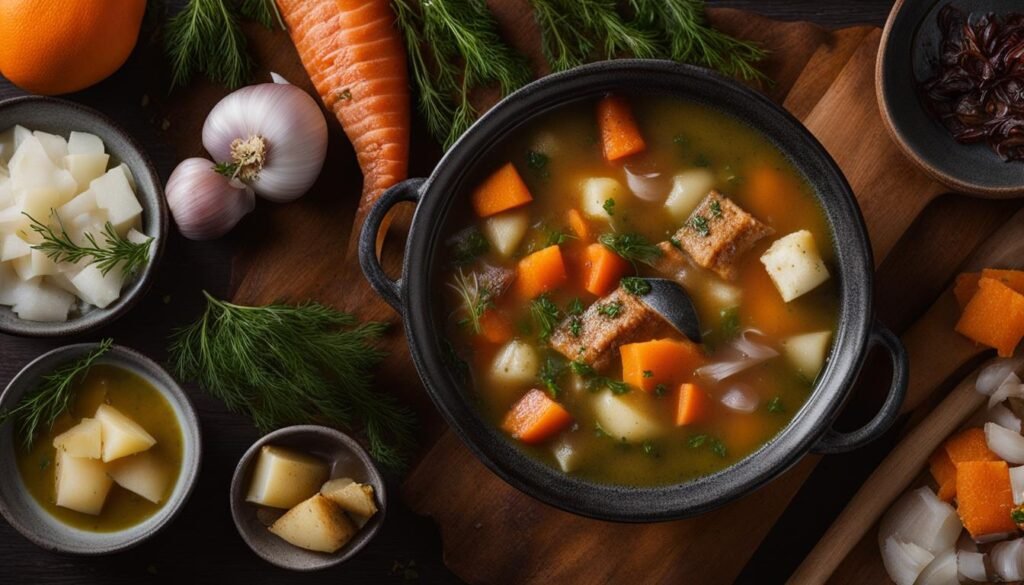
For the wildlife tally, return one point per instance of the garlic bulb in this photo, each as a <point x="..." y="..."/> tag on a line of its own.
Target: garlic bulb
<point x="206" y="204"/>
<point x="272" y="136"/>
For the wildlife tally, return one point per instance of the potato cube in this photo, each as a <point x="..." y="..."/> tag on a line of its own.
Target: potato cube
<point x="807" y="352"/>
<point x="44" y="303"/>
<point x="794" y="265"/>
<point x="596" y="194"/>
<point x="6" y="191"/>
<point x="39" y="203"/>
<point x="515" y="363"/>
<point x="121" y="435"/>
<point x="141" y="474"/>
<point x="284" y="477"/>
<point x="13" y="247"/>
<point x="34" y="265"/>
<point x="84" y="143"/>
<point x="84" y="202"/>
<point x="6" y="145"/>
<point x="31" y="169"/>
<point x="13" y="289"/>
<point x="688" y="189"/>
<point x="352" y="497"/>
<point x="128" y="175"/>
<point x="136" y="237"/>
<point x="115" y="195"/>
<point x="92" y="223"/>
<point x="627" y="416"/>
<point x="56" y="147"/>
<point x="316" y="524"/>
<point x="82" y="484"/>
<point x="86" y="167"/>
<point x="97" y="289"/>
<point x="82" y="440"/>
<point x="506" y="230"/>
<point x="21" y="134"/>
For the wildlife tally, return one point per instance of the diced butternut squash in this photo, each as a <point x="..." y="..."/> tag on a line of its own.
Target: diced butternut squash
<point x="969" y="445"/>
<point x="994" y="317"/>
<point x="502" y="191"/>
<point x="505" y="231"/>
<point x="284" y="477"/>
<point x="82" y="483"/>
<point x="495" y="327"/>
<point x="794" y="264"/>
<point x="984" y="497"/>
<point x="578" y="225"/>
<point x="540" y="272"/>
<point x="351" y="496"/>
<point x="602" y="270"/>
<point x="693" y="405"/>
<point x="620" y="136"/>
<point x="82" y="440"/>
<point x="944" y="472"/>
<point x="965" y="287"/>
<point x="141" y="474"/>
<point x="316" y="524"/>
<point x="648" y="364"/>
<point x="536" y="418"/>
<point x="121" y="435"/>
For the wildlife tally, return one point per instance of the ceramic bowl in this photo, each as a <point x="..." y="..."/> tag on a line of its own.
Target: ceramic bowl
<point x="416" y="295"/>
<point x="908" y="52"/>
<point x="58" y="116"/>
<point x="22" y="511"/>
<point x="346" y="458"/>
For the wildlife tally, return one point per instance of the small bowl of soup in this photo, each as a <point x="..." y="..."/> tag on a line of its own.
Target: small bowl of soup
<point x="117" y="464"/>
<point x="535" y="278"/>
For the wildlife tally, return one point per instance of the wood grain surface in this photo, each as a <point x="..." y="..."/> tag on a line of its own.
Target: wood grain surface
<point x="297" y="251"/>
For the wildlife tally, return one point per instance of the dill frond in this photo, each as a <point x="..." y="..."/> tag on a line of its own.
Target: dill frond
<point x="59" y="247"/>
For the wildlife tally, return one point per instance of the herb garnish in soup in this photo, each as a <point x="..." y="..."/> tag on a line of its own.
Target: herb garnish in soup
<point x="545" y="289"/>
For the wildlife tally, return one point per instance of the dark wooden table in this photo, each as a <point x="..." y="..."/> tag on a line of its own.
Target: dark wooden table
<point x="201" y="546"/>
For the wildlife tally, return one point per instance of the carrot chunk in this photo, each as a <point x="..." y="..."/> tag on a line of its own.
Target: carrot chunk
<point x="540" y="272"/>
<point x="969" y="445"/>
<point x="658" y="362"/>
<point x="984" y="497"/>
<point x="944" y="472"/>
<point x="620" y="136"/>
<point x="602" y="269"/>
<point x="578" y="225"/>
<point x="994" y="316"/>
<point x="502" y="191"/>
<point x="536" y="418"/>
<point x="495" y="328"/>
<point x="693" y="405"/>
<point x="965" y="287"/>
<point x="767" y="190"/>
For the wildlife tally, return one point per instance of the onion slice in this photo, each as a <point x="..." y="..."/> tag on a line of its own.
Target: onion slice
<point x="1003" y="417"/>
<point x="920" y="517"/>
<point x="971" y="566"/>
<point x="1008" y="560"/>
<point x="904" y="561"/>
<point x="1005" y="443"/>
<point x="741" y="397"/>
<point x="1010" y="388"/>
<point x="941" y="571"/>
<point x="1017" y="484"/>
<point x="741" y="354"/>
<point x="994" y="374"/>
<point x="649" y="186"/>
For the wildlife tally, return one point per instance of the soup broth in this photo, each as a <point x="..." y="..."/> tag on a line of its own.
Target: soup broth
<point x="513" y="340"/>
<point x="136" y="398"/>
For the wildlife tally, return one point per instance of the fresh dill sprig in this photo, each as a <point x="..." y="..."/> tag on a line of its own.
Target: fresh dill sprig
<point x="476" y="298"/>
<point x="285" y="364"/>
<point x="59" y="247"/>
<point x="40" y="407"/>
<point x="205" y="37"/>
<point x="454" y="47"/>
<point x="264" y="12"/>
<point x="632" y="247"/>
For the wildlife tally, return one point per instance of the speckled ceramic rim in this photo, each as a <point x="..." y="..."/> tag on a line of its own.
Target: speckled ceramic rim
<point x="149" y="192"/>
<point x="898" y="131"/>
<point x="316" y="561"/>
<point x="415" y="294"/>
<point x="81" y="542"/>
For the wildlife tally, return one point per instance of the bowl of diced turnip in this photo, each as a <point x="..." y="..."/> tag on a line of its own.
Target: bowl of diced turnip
<point x="116" y="465"/>
<point x="307" y="497"/>
<point x="82" y="218"/>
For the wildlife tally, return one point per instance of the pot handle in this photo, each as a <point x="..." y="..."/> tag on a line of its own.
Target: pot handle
<point x="836" y="442"/>
<point x="389" y="289"/>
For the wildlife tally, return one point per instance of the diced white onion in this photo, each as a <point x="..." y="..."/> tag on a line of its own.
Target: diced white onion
<point x="1005" y="443"/>
<point x="1003" y="417"/>
<point x="920" y="517"/>
<point x="1008" y="560"/>
<point x="996" y="373"/>
<point x="649" y="186"/>
<point x="741" y="397"/>
<point x="971" y="566"/>
<point x="904" y="561"/>
<point x="1017" y="484"/>
<point x="941" y="571"/>
<point x="742" y="353"/>
<point x="1010" y="388"/>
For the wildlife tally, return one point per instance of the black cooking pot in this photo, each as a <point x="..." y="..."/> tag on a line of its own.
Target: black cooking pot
<point x="416" y="295"/>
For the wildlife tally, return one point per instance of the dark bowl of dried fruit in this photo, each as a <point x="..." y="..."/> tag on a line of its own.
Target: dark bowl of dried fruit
<point x="950" y="86"/>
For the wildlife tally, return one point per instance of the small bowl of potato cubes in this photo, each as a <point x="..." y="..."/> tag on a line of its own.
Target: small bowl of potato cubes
<point x="307" y="497"/>
<point x="82" y="218"/>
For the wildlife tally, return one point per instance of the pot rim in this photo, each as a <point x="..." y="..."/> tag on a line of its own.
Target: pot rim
<point x="660" y="502"/>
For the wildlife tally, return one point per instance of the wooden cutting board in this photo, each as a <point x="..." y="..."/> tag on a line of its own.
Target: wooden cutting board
<point x="492" y="533"/>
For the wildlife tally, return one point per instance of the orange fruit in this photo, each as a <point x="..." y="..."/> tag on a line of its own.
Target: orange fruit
<point x="59" y="46"/>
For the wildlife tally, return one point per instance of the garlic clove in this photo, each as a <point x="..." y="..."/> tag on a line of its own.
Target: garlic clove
<point x="204" y="203"/>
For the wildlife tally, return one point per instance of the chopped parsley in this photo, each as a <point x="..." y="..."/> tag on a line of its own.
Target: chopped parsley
<point x="730" y="323"/>
<point x="537" y="161"/>
<point x="660" y="390"/>
<point x="716" y="208"/>
<point x="345" y="95"/>
<point x="610" y="310"/>
<point x="558" y="237"/>
<point x="702" y="161"/>
<point x="649" y="449"/>
<point x="468" y="248"/>
<point x="546" y="315"/>
<point x="575" y="307"/>
<point x="595" y="382"/>
<point x="575" y="326"/>
<point x="699" y="224"/>
<point x="632" y="247"/>
<point x="609" y="207"/>
<point x="713" y="443"/>
<point x="676" y="243"/>
<point x="581" y="368"/>
<point x="1017" y="515"/>
<point x="616" y="386"/>
<point x="648" y="374"/>
<point x="775" y="405"/>
<point x="636" y="286"/>
<point x="549" y="374"/>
